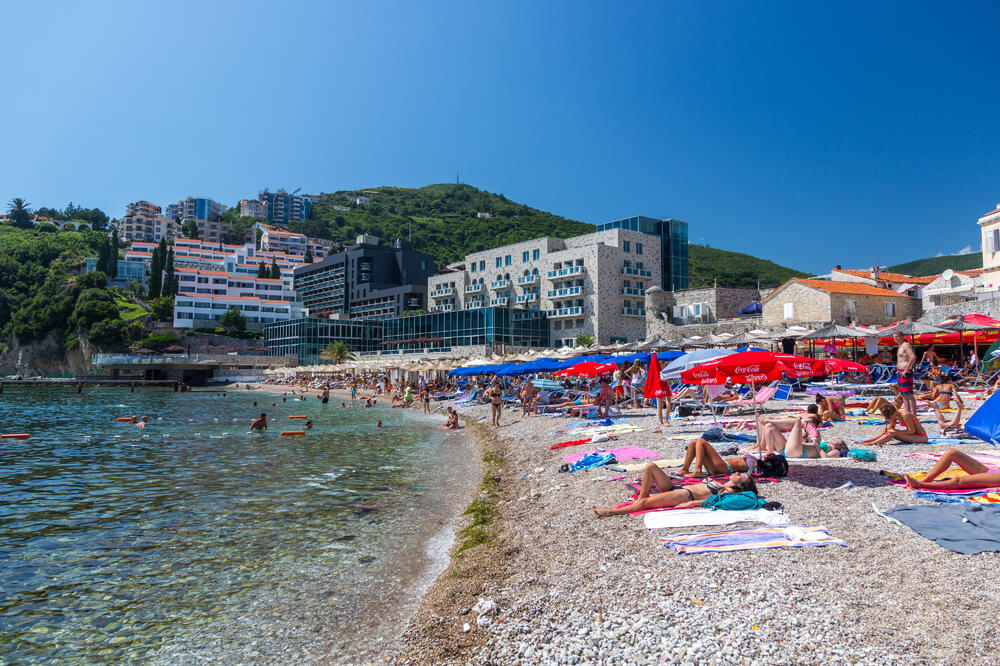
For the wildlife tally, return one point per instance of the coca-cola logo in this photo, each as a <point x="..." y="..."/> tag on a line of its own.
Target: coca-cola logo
<point x="747" y="369"/>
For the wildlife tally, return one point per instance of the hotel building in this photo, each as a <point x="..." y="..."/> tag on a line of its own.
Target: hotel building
<point x="143" y="221"/>
<point x="989" y="225"/>
<point x="673" y="238"/>
<point x="207" y="214"/>
<point x="279" y="240"/>
<point x="593" y="284"/>
<point x="365" y="281"/>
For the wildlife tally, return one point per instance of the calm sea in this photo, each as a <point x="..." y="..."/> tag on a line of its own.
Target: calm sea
<point x="194" y="541"/>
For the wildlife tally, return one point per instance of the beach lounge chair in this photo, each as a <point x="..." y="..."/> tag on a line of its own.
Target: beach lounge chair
<point x="763" y="394"/>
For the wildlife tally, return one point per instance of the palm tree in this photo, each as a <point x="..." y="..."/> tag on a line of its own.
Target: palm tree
<point x="19" y="213"/>
<point x="337" y="351"/>
<point x="584" y="340"/>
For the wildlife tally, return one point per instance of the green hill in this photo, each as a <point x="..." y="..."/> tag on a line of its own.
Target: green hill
<point x="734" y="269"/>
<point x="443" y="222"/>
<point x="937" y="265"/>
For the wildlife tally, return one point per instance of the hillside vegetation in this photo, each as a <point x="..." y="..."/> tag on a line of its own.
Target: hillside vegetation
<point x="734" y="269"/>
<point x="937" y="265"/>
<point x="442" y="219"/>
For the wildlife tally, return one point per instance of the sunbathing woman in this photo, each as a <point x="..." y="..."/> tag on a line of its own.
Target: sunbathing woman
<point x="979" y="475"/>
<point x="811" y="422"/>
<point x="913" y="434"/>
<point x="706" y="459"/>
<point x="831" y="408"/>
<point x="876" y="404"/>
<point x="686" y="496"/>
<point x="943" y="393"/>
<point x="797" y="446"/>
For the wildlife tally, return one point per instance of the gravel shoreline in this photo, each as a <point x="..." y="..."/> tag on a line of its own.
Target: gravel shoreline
<point x="571" y="588"/>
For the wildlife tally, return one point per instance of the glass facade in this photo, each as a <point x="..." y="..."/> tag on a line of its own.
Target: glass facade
<point x="307" y="337"/>
<point x="673" y="245"/>
<point x="461" y="328"/>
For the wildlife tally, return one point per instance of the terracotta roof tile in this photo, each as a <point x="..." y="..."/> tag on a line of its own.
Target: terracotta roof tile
<point x="834" y="287"/>
<point x="891" y="277"/>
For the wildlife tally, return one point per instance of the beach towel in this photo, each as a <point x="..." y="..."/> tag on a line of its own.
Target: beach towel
<point x="793" y="536"/>
<point x="962" y="528"/>
<point x="638" y="467"/>
<point x="985" y="498"/>
<point x="590" y="460"/>
<point x="941" y="498"/>
<point x="699" y="517"/>
<point x="621" y="454"/>
<point x="744" y="501"/>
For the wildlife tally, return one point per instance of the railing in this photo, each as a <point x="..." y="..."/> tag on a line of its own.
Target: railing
<point x="443" y="291"/>
<point x="499" y="284"/>
<point x="442" y="308"/>
<point x="573" y="270"/>
<point x="474" y="288"/>
<point x="640" y="272"/>
<point x="501" y="302"/>
<point x="632" y="291"/>
<point x="143" y="359"/>
<point x="526" y="298"/>
<point x="566" y="312"/>
<point x="634" y="312"/>
<point x="475" y="304"/>
<point x="527" y="279"/>
<point x="566" y="291"/>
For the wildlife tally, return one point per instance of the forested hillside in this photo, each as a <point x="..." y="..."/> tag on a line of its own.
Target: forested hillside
<point x="937" y="265"/>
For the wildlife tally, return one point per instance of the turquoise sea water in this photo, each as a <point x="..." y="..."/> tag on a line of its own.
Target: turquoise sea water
<point x="192" y="540"/>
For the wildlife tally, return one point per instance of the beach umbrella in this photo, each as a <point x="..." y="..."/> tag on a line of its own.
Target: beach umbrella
<point x="985" y="422"/>
<point x="961" y="325"/>
<point x="674" y="368"/>
<point x="742" y="339"/>
<point x="654" y="388"/>
<point x="587" y="369"/>
<point x="547" y="384"/>
<point x="144" y="350"/>
<point x="843" y="365"/>
<point x="175" y="348"/>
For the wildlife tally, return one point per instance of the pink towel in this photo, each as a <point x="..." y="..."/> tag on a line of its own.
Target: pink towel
<point x="622" y="454"/>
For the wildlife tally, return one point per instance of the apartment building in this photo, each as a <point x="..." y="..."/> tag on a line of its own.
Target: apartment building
<point x="275" y="239"/>
<point x="253" y="208"/>
<point x="586" y="285"/>
<point x="205" y="310"/>
<point x="283" y="207"/>
<point x="673" y="239"/>
<point x="143" y="221"/>
<point x="365" y="280"/>
<point x="989" y="227"/>
<point x="207" y="215"/>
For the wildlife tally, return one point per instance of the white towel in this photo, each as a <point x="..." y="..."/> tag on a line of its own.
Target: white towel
<point x="697" y="516"/>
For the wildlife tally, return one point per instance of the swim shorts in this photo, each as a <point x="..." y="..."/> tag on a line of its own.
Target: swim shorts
<point x="905" y="382"/>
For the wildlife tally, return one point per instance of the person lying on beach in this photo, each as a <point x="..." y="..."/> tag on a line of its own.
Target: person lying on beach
<point x="876" y="404"/>
<point x="259" y="424"/>
<point x="913" y="433"/>
<point x="979" y="475"/>
<point x="954" y="425"/>
<point x="993" y="388"/>
<point x="831" y="408"/>
<point x="706" y="460"/>
<point x="797" y="446"/>
<point x="685" y="496"/>
<point x="811" y="423"/>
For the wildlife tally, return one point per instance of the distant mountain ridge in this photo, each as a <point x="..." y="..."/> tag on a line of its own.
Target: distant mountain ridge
<point x="450" y="221"/>
<point x="937" y="265"/>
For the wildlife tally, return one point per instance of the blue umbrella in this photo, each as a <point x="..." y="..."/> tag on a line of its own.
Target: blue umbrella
<point x="681" y="363"/>
<point x="985" y="423"/>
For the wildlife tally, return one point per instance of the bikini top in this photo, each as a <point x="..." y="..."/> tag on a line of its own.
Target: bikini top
<point x="714" y="487"/>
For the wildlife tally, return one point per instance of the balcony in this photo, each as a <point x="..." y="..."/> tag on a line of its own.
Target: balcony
<point x="527" y="279"/>
<point x="634" y="312"/>
<point x="566" y="291"/>
<point x="566" y="312"/>
<point x="638" y="272"/>
<point x="442" y="308"/>
<point x="500" y="284"/>
<point x="477" y="303"/>
<point x="527" y="298"/>
<point x="473" y="288"/>
<point x="499" y="302"/>
<point x="563" y="272"/>
<point x="633" y="291"/>
<point x="442" y="291"/>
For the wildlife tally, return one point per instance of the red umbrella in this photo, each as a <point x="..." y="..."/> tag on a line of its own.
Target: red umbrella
<point x="843" y="365"/>
<point x="587" y="369"/>
<point x="654" y="388"/>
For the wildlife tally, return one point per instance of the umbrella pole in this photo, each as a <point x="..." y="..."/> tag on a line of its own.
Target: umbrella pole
<point x="961" y="348"/>
<point x="756" y="418"/>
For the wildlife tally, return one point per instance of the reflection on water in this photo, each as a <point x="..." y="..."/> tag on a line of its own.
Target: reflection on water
<point x="193" y="538"/>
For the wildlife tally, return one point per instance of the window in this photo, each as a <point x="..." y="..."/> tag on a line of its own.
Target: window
<point x="499" y="262"/>
<point x="638" y="248"/>
<point x="626" y="246"/>
<point x="473" y="267"/>
<point x="482" y="265"/>
<point x="535" y="254"/>
<point x="789" y="310"/>
<point x="628" y="284"/>
<point x="996" y="241"/>
<point x="850" y="307"/>
<point x="890" y="309"/>
<point x="506" y="260"/>
<point x="524" y="257"/>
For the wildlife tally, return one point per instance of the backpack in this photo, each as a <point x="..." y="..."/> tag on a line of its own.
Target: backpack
<point x="714" y="434"/>
<point x="774" y="465"/>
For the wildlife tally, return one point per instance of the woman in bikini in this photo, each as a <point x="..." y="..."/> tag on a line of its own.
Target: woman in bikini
<point x="796" y="445"/>
<point x="943" y="394"/>
<point x="914" y="432"/>
<point x="831" y="408"/>
<point x="686" y="496"/>
<point x="495" y="396"/>
<point x="708" y="461"/>
<point x="979" y="475"/>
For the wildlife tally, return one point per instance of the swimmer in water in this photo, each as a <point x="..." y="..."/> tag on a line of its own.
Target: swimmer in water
<point x="274" y="404"/>
<point x="308" y="425"/>
<point x="378" y="424"/>
<point x="254" y="403"/>
<point x="343" y="404"/>
<point x="259" y="424"/>
<point x="142" y="422"/>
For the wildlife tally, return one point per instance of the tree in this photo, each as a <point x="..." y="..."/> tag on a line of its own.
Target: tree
<point x="309" y="255"/>
<point x="584" y="340"/>
<point x="169" y="280"/>
<point x="103" y="256"/>
<point x="162" y="308"/>
<point x="156" y="265"/>
<point x="234" y="319"/>
<point x="337" y="351"/>
<point x="113" y="261"/>
<point x="190" y="229"/>
<point x="262" y="271"/>
<point x="259" y="235"/>
<point x="275" y="271"/>
<point x="19" y="213"/>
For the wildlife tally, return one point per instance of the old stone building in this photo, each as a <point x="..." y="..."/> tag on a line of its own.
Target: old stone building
<point x="804" y="301"/>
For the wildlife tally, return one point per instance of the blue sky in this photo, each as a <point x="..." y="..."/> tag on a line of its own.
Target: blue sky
<point x="806" y="133"/>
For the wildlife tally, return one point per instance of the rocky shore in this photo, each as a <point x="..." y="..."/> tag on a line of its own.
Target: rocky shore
<point x="571" y="588"/>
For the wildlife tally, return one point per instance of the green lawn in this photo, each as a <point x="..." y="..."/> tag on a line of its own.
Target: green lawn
<point x="129" y="310"/>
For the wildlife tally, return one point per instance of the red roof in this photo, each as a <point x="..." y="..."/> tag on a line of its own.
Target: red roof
<point x="890" y="277"/>
<point x="834" y="287"/>
<point x="233" y="298"/>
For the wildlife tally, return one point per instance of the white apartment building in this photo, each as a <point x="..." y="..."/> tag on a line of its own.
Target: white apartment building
<point x="989" y="225"/>
<point x="205" y="310"/>
<point x="143" y="221"/>
<point x="593" y="284"/>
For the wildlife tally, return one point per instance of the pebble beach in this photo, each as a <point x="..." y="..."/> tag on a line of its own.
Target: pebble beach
<point x="564" y="586"/>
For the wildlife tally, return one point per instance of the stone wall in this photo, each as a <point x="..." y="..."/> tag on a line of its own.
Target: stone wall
<point x="717" y="302"/>
<point x="989" y="306"/>
<point x="809" y="305"/>
<point x="668" y="331"/>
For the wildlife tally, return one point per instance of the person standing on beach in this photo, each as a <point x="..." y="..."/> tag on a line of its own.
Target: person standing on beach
<point x="905" y="359"/>
<point x="527" y="395"/>
<point x="425" y="395"/>
<point x="495" y="396"/>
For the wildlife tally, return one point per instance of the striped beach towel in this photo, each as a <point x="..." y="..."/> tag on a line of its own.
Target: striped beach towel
<point x="793" y="536"/>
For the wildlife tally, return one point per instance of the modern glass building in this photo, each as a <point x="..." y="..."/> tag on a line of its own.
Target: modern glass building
<point x="127" y="270"/>
<point x="440" y="331"/>
<point x="306" y="337"/>
<point x="673" y="245"/>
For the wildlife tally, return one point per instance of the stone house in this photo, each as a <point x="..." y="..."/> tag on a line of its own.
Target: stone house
<point x="804" y="301"/>
<point x="952" y="288"/>
<point x="699" y="306"/>
<point x="910" y="285"/>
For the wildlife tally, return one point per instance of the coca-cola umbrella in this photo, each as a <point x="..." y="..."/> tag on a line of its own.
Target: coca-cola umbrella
<point x="843" y="365"/>
<point x="753" y="367"/>
<point x="654" y="388"/>
<point x="587" y="369"/>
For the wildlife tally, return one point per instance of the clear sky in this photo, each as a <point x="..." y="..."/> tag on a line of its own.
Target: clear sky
<point x="808" y="133"/>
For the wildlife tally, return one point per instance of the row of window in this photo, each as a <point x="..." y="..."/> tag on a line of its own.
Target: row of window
<point x="627" y="247"/>
<point x="212" y="316"/>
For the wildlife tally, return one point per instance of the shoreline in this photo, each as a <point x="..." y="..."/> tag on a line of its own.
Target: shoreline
<point x="571" y="588"/>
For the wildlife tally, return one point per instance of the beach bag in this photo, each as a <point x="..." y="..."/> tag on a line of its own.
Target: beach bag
<point x="863" y="455"/>
<point x="685" y="410"/>
<point x="714" y="434"/>
<point x="773" y="466"/>
<point x="744" y="501"/>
